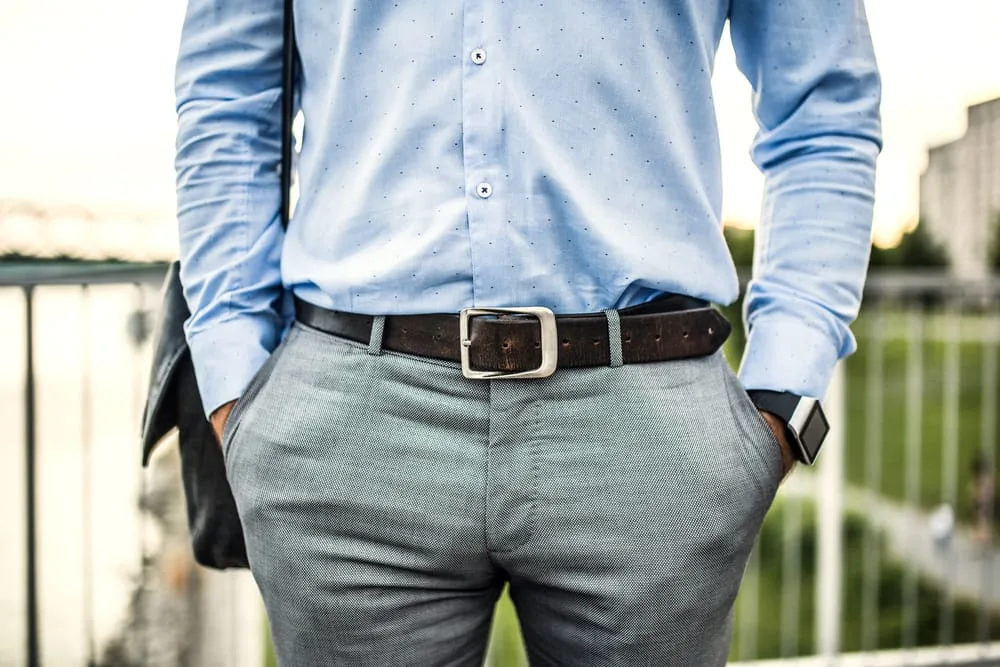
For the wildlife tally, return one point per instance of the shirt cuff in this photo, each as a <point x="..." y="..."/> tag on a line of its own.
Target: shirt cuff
<point x="228" y="354"/>
<point x="784" y="354"/>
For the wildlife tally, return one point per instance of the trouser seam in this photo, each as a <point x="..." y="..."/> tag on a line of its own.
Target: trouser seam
<point x="531" y="521"/>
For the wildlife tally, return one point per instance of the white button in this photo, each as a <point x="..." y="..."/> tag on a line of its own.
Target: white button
<point x="484" y="190"/>
<point x="478" y="56"/>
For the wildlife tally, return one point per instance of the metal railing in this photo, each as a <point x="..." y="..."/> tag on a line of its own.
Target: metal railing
<point x="876" y="557"/>
<point x="884" y="548"/>
<point x="108" y="577"/>
<point x="27" y="281"/>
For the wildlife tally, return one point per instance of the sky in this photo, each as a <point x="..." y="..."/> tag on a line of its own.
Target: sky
<point x="87" y="108"/>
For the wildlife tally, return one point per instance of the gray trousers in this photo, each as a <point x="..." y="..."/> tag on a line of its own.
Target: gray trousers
<point x="386" y="500"/>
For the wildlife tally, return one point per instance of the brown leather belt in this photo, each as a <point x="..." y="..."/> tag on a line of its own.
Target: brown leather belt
<point x="670" y="327"/>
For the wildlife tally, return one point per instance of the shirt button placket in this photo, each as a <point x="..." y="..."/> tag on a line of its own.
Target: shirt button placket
<point x="481" y="147"/>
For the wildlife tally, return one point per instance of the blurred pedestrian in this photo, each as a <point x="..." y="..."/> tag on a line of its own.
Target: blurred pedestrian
<point x="984" y="492"/>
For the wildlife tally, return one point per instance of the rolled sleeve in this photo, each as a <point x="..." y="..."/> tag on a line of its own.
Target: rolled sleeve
<point x="817" y="93"/>
<point x="228" y="93"/>
<point x="228" y="354"/>
<point x="786" y="354"/>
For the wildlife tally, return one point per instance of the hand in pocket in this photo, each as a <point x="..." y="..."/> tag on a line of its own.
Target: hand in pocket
<point x="781" y="435"/>
<point x="219" y="418"/>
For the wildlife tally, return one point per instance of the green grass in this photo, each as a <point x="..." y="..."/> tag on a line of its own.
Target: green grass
<point x="889" y="598"/>
<point x="506" y="647"/>
<point x="895" y="453"/>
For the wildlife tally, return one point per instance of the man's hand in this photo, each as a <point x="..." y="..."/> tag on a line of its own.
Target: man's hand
<point x="219" y="417"/>
<point x="778" y="427"/>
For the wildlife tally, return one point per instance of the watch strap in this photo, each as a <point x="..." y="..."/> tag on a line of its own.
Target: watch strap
<point x="799" y="413"/>
<point x="779" y="403"/>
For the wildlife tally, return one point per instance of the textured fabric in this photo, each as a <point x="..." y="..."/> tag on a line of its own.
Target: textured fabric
<point x="614" y="337"/>
<point x="378" y="328"/>
<point x="592" y="125"/>
<point x="386" y="500"/>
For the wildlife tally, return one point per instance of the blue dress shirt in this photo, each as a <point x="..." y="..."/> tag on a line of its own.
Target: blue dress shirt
<point x="562" y="153"/>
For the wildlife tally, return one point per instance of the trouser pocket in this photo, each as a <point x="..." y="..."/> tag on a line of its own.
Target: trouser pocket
<point x="248" y="397"/>
<point x="757" y="441"/>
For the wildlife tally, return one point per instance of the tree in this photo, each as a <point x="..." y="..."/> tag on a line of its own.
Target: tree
<point x="993" y="256"/>
<point x="740" y="242"/>
<point x="916" y="250"/>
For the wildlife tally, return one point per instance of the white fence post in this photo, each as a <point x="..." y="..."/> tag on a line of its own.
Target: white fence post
<point x="195" y="615"/>
<point x="830" y="515"/>
<point x="232" y="632"/>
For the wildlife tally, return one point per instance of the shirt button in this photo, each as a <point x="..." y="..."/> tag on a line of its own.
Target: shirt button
<point x="478" y="56"/>
<point x="484" y="190"/>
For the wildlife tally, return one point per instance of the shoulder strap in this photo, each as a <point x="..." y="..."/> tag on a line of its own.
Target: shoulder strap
<point x="287" y="111"/>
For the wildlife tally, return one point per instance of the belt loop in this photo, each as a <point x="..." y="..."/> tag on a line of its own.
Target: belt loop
<point x="614" y="337"/>
<point x="375" y="342"/>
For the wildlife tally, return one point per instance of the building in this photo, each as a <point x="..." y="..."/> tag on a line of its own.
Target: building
<point x="960" y="191"/>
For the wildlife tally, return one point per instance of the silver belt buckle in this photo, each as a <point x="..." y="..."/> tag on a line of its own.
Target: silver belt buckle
<point x="550" y="349"/>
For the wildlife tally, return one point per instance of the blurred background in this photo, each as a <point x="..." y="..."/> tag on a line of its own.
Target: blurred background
<point x="884" y="554"/>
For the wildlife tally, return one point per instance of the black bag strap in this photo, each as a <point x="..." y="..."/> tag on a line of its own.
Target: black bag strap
<point x="288" y="71"/>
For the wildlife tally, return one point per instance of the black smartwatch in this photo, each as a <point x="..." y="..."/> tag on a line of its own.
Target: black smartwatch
<point x="804" y="419"/>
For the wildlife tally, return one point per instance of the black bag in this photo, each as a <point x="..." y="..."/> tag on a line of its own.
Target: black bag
<point x="174" y="400"/>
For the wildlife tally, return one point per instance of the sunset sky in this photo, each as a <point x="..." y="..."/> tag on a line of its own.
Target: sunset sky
<point x="87" y="113"/>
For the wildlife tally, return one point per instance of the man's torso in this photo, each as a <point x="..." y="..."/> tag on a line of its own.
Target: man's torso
<point x="515" y="153"/>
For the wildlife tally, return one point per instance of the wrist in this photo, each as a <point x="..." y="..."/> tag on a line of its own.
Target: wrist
<point x="803" y="424"/>
<point x="780" y="430"/>
<point x="226" y="355"/>
<point x="219" y="417"/>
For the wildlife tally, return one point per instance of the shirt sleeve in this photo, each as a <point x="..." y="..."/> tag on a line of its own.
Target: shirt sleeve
<point x="816" y="97"/>
<point x="228" y="92"/>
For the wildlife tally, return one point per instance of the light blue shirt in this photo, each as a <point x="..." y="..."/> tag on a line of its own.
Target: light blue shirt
<point x="513" y="153"/>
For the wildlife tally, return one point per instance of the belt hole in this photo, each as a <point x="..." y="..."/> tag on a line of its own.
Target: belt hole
<point x="565" y="342"/>
<point x="658" y="337"/>
<point x="684" y="334"/>
<point x="506" y="345"/>
<point x="597" y="341"/>
<point x="628" y="338"/>
<point x="537" y="344"/>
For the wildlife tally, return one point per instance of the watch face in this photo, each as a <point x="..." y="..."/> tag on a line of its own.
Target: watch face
<point x="814" y="431"/>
